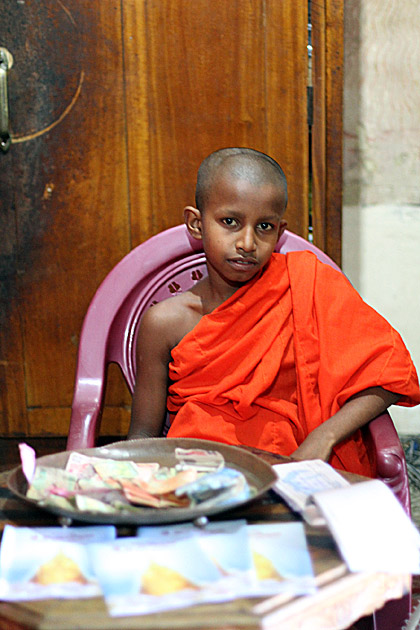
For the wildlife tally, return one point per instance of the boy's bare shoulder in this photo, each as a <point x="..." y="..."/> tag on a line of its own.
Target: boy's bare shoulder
<point x="173" y="308"/>
<point x="173" y="318"/>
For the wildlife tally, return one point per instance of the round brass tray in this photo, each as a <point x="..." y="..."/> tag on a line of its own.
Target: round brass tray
<point x="258" y="474"/>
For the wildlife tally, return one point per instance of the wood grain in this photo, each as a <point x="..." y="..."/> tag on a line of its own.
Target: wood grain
<point x="83" y="162"/>
<point x="70" y="193"/>
<point x="200" y="76"/>
<point x="113" y="107"/>
<point x="287" y="129"/>
<point x="319" y="163"/>
<point x="327" y="35"/>
<point x="334" y="125"/>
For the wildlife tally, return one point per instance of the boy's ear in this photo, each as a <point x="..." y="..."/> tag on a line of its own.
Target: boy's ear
<point x="192" y="218"/>
<point x="282" y="227"/>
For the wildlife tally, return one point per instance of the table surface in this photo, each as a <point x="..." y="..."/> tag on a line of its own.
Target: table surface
<point x="341" y="599"/>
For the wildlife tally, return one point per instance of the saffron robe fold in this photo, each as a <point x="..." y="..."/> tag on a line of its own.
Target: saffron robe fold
<point x="281" y="356"/>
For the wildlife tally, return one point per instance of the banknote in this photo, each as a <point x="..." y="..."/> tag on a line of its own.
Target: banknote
<point x="107" y="485"/>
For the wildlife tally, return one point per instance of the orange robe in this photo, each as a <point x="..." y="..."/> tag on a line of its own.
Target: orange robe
<point x="281" y="356"/>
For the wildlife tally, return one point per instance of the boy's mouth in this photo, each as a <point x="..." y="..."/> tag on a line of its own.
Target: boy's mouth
<point x="242" y="263"/>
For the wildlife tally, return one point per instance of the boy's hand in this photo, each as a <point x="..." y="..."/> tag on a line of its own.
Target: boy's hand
<point x="314" y="446"/>
<point x="353" y="415"/>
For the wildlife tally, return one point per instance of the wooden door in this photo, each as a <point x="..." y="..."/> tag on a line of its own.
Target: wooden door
<point x="113" y="105"/>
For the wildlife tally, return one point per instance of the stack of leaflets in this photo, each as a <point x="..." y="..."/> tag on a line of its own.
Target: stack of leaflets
<point x="160" y="568"/>
<point x="41" y="562"/>
<point x="369" y="525"/>
<point x="298" y="482"/>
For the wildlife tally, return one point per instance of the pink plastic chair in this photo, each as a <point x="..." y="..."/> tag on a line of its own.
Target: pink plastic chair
<point x="164" y="265"/>
<point x="169" y="263"/>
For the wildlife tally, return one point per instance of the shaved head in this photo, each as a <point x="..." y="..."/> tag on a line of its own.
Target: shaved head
<point x="240" y="163"/>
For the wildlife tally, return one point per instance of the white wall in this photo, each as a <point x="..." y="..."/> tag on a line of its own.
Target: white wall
<point x="381" y="257"/>
<point x="381" y="158"/>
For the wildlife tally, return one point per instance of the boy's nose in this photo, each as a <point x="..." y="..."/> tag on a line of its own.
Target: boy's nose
<point x="246" y="240"/>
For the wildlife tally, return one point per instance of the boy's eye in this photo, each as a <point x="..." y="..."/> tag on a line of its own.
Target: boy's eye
<point x="264" y="226"/>
<point x="229" y="221"/>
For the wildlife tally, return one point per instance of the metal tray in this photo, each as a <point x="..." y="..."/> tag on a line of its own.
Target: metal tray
<point x="258" y="474"/>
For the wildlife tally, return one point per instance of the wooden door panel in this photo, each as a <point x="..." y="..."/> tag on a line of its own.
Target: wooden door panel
<point x="13" y="413"/>
<point x="201" y="76"/>
<point x="68" y="176"/>
<point x="12" y="379"/>
<point x="287" y="128"/>
<point x="327" y="79"/>
<point x="113" y="107"/>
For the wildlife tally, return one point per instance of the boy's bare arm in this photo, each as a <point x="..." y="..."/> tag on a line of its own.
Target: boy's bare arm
<point x="353" y="415"/>
<point x="149" y="397"/>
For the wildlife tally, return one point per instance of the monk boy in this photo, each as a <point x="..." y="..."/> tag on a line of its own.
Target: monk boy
<point x="269" y="350"/>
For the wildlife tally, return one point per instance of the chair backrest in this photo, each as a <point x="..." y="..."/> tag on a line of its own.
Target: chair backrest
<point x="162" y="266"/>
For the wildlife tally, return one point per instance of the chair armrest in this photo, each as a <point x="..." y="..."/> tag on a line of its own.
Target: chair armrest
<point x="83" y="428"/>
<point x="391" y="467"/>
<point x="86" y="412"/>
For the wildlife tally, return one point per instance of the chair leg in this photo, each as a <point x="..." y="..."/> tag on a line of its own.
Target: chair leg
<point x="366" y="623"/>
<point x="394" y="615"/>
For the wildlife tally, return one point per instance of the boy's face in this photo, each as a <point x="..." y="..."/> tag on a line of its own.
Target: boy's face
<point x="239" y="227"/>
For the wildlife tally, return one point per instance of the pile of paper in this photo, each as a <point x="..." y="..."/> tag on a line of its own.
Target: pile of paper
<point x="298" y="482"/>
<point x="158" y="569"/>
<point x="369" y="525"/>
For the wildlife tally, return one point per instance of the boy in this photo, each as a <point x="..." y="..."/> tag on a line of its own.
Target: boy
<point x="272" y="351"/>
